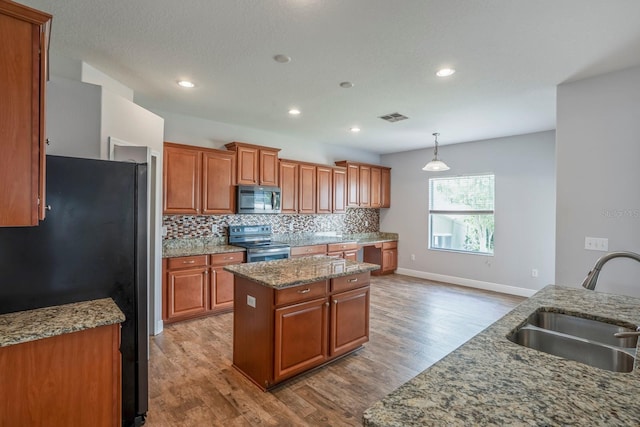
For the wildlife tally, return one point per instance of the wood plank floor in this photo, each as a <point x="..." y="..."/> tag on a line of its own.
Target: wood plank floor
<point x="413" y="324"/>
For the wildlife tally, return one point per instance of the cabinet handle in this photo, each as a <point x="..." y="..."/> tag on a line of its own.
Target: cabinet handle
<point x="193" y="261"/>
<point x="47" y="141"/>
<point x="48" y="207"/>
<point x="206" y="272"/>
<point x="335" y="301"/>
<point x="327" y="303"/>
<point x="304" y="291"/>
<point x="352" y="280"/>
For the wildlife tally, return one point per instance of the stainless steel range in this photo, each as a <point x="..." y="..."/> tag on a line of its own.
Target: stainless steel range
<point x="257" y="240"/>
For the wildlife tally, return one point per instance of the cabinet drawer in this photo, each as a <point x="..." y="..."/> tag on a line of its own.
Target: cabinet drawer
<point x="309" y="250"/>
<point x="301" y="293"/>
<point x="187" y="261"/>
<point x="389" y="245"/>
<point x="227" y="258"/>
<point x="349" y="282"/>
<point x="339" y="247"/>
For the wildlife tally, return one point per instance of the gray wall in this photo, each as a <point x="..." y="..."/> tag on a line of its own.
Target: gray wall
<point x="598" y="176"/>
<point x="524" y="213"/>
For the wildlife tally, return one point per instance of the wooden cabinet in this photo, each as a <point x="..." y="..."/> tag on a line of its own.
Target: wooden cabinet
<point x="368" y="186"/>
<point x="288" y="186"/>
<point x="339" y="180"/>
<point x="72" y="379"/>
<point x="282" y="333"/>
<point x="198" y="181"/>
<point x="24" y="34"/>
<point x="298" y="251"/>
<point x="257" y="165"/>
<point x="307" y="189"/>
<point x="385" y="187"/>
<point x="324" y="189"/>
<point x="218" y="191"/>
<point x="198" y="285"/>
<point x="347" y="250"/>
<point x="384" y="254"/>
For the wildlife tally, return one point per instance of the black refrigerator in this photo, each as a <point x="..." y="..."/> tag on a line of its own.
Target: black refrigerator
<point x="92" y="244"/>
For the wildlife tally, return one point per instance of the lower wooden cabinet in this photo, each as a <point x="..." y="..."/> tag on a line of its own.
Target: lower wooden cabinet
<point x="281" y="333"/>
<point x="72" y="379"/>
<point x="299" y="251"/>
<point x="198" y="285"/>
<point x="384" y="254"/>
<point x="348" y="250"/>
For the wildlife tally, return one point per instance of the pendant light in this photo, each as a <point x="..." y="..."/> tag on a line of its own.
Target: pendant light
<point x="435" y="165"/>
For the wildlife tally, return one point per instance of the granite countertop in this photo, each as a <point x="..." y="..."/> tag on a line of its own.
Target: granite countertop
<point x="298" y="271"/>
<point x="31" y="325"/>
<point x="217" y="245"/>
<point x="492" y="381"/>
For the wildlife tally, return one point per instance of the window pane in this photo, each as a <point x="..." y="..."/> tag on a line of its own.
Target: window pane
<point x="469" y="233"/>
<point x="467" y="193"/>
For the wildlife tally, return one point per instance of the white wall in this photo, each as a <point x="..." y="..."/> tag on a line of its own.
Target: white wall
<point x="524" y="213"/>
<point x="598" y="176"/>
<point x="94" y="76"/>
<point x="208" y="133"/>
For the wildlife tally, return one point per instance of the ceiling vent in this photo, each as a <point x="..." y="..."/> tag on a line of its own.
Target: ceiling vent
<point x="394" y="117"/>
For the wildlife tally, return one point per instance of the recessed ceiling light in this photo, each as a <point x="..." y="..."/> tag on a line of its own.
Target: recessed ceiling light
<point x="445" y="72"/>
<point x="355" y="129"/>
<point x="294" y="111"/>
<point x="283" y="59"/>
<point x="346" y="85"/>
<point x="186" y="83"/>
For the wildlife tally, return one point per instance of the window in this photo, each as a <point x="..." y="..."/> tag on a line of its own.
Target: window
<point x="461" y="213"/>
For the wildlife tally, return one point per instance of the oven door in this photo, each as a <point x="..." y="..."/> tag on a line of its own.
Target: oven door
<point x="265" y="254"/>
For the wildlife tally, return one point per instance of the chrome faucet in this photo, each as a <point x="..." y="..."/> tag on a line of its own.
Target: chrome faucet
<point x="591" y="279"/>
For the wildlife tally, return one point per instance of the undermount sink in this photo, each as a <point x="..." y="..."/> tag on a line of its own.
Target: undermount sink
<point x="578" y="338"/>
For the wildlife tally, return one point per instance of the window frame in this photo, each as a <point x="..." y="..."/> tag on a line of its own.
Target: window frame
<point x="431" y="212"/>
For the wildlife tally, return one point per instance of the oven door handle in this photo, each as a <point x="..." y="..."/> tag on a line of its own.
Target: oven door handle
<point x="267" y="251"/>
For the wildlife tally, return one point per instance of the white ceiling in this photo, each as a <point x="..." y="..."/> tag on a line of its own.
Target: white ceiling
<point x="509" y="56"/>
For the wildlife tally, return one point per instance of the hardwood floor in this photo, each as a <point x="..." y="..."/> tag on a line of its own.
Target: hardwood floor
<point x="413" y="324"/>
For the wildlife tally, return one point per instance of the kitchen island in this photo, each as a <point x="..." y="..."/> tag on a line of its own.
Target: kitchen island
<point x="490" y="380"/>
<point x="294" y="315"/>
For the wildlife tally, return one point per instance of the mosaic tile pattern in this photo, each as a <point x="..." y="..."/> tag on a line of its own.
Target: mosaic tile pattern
<point x="200" y="226"/>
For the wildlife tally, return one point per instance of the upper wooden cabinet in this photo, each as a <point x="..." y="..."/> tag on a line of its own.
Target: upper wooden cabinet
<point x="368" y="186"/>
<point x="324" y="189"/>
<point x="198" y="180"/>
<point x="339" y="178"/>
<point x="257" y="165"/>
<point x="307" y="189"/>
<point x="24" y="34"/>
<point x="288" y="186"/>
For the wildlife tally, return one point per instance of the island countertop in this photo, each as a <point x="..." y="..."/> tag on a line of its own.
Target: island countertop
<point x="492" y="381"/>
<point x="31" y="325"/>
<point x="298" y="271"/>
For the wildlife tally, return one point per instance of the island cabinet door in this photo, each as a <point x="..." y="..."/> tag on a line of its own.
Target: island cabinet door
<point x="187" y="292"/>
<point x="349" y="321"/>
<point x="300" y="337"/>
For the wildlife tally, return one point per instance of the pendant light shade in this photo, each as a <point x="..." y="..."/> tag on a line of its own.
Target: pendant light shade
<point x="435" y="165"/>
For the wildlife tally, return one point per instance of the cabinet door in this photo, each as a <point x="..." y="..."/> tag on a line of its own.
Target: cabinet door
<point x="182" y="174"/>
<point x="351" y="255"/>
<point x="22" y="81"/>
<point x="221" y="289"/>
<point x="218" y="192"/>
<point x="349" y="321"/>
<point x="288" y="187"/>
<point x="339" y="190"/>
<point x="307" y="193"/>
<point x="365" y="186"/>
<point x="353" y="185"/>
<point x="268" y="167"/>
<point x="187" y="292"/>
<point x="389" y="260"/>
<point x="324" y="189"/>
<point x="247" y="159"/>
<point x="375" y="190"/>
<point x="385" y="188"/>
<point x="300" y="337"/>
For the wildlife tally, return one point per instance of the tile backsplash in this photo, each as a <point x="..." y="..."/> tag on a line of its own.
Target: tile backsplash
<point x="357" y="220"/>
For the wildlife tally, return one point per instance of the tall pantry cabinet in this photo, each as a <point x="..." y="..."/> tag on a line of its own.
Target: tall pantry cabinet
<point x="24" y="39"/>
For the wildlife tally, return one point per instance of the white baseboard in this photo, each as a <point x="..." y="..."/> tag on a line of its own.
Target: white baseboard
<point x="488" y="286"/>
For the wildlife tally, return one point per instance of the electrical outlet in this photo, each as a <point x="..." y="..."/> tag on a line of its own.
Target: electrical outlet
<point x="534" y="272"/>
<point x="413" y="257"/>
<point x="214" y="228"/>
<point x="164" y="231"/>
<point x="251" y="301"/>
<point x="596" y="244"/>
<point x="366" y="223"/>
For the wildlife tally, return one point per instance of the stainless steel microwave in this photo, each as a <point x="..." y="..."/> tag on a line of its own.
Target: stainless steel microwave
<point x="254" y="199"/>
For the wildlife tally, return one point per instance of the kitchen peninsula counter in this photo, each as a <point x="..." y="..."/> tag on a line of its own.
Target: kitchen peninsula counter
<point x="30" y="325"/>
<point x="361" y="239"/>
<point x="285" y="273"/>
<point x="492" y="381"/>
